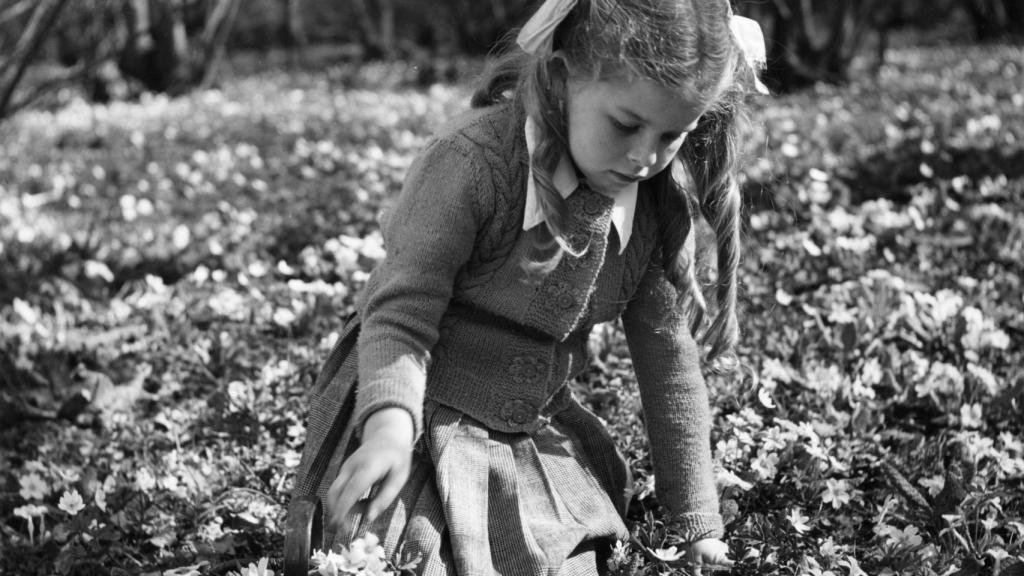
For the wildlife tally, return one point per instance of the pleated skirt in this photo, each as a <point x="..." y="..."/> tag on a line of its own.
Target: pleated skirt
<point x="485" y="502"/>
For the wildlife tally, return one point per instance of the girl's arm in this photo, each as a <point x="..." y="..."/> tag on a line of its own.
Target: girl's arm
<point x="429" y="235"/>
<point x="676" y="409"/>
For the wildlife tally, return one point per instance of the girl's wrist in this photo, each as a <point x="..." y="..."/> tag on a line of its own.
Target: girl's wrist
<point x="392" y="423"/>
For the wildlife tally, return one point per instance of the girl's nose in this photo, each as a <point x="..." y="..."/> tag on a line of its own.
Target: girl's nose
<point x="643" y="156"/>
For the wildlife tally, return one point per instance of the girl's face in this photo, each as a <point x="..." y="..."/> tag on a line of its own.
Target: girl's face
<point x="622" y="131"/>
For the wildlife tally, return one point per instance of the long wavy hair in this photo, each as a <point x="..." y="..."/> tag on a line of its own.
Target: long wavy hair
<point x="684" y="44"/>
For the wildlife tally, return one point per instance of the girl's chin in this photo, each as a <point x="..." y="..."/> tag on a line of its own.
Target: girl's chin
<point x="612" y="185"/>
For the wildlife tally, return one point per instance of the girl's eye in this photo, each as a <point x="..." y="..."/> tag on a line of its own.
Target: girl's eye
<point x="673" y="138"/>
<point x="625" y="128"/>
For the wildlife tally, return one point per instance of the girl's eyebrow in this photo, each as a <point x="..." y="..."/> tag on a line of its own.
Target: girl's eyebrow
<point x="636" y="117"/>
<point x="632" y="115"/>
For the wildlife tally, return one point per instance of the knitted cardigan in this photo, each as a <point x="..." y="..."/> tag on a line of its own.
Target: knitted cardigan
<point x="451" y="315"/>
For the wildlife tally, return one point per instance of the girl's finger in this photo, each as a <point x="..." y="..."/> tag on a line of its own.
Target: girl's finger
<point x="721" y="559"/>
<point x="387" y="491"/>
<point x="334" y="491"/>
<point x="351" y="491"/>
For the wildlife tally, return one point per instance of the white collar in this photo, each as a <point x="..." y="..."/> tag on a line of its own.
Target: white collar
<point x="566" y="182"/>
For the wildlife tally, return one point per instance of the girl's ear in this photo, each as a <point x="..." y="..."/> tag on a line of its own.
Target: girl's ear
<point x="558" y="68"/>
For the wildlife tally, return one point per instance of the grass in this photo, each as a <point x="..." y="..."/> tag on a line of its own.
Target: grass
<point x="172" y="271"/>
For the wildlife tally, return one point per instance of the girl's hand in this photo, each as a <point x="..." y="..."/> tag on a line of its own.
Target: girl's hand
<point x="382" y="460"/>
<point x="709" y="554"/>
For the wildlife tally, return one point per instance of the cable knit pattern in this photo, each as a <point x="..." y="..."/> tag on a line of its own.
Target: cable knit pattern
<point x="450" y="314"/>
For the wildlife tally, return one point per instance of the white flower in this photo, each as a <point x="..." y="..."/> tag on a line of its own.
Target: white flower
<point x="100" y="498"/>
<point x="229" y="304"/>
<point x="645" y="487"/>
<point x="1011" y="442"/>
<point x="35" y="466"/>
<point x="871" y="374"/>
<point x="364" y="556"/>
<point x="947" y="304"/>
<point x="29" y="511"/>
<point x="144" y="480"/>
<point x="71" y="502"/>
<point x="670" y="554"/>
<point x="284" y="317"/>
<point x="855" y="569"/>
<point x="33" y="487"/>
<point x="997" y="339"/>
<point x="725" y="478"/>
<point x="837" y="492"/>
<point x="620" y="553"/>
<point x="329" y="563"/>
<point x="211" y="531"/>
<point x="257" y="569"/>
<point x="829" y="550"/>
<point x="974" y="325"/>
<point x="985" y="377"/>
<point x="798" y="521"/>
<point x="906" y="537"/>
<point x="773" y="369"/>
<point x="941" y="379"/>
<point x="766" y="465"/>
<point x="970" y="416"/>
<point x="933" y="484"/>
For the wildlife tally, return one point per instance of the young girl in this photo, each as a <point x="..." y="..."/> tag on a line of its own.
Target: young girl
<point x="565" y="198"/>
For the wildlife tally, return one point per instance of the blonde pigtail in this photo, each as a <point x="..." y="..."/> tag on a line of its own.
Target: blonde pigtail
<point x="723" y="334"/>
<point x="544" y="99"/>
<point x="712" y="157"/>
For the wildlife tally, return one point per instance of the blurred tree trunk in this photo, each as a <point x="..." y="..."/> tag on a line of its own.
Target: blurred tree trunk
<point x="370" y="35"/>
<point x="215" y="38"/>
<point x="994" y="19"/>
<point x="14" y="65"/>
<point x="387" y="27"/>
<point x="480" y="24"/>
<point x="163" y="57"/>
<point x="295" y="32"/>
<point x="1015" y="16"/>
<point x="810" y="41"/>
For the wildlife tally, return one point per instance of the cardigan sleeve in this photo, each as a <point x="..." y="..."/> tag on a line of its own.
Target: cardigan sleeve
<point x="429" y="235"/>
<point x="676" y="406"/>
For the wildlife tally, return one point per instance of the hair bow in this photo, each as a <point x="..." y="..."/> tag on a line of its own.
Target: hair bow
<point x="750" y="39"/>
<point x="538" y="35"/>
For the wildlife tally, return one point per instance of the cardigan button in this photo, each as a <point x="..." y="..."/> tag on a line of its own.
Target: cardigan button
<point x="518" y="412"/>
<point x="527" y="370"/>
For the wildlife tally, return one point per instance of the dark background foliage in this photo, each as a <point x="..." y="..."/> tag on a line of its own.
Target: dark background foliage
<point x="117" y="48"/>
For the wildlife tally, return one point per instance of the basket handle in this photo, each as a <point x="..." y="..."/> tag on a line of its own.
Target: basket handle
<point x="304" y="529"/>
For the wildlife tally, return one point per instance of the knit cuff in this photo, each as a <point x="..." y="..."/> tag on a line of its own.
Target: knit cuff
<point x="386" y="394"/>
<point x="694" y="526"/>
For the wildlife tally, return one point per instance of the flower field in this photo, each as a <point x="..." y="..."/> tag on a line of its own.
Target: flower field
<point x="173" y="271"/>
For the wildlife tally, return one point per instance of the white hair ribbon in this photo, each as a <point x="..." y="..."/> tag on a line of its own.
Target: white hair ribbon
<point x="750" y="39"/>
<point x="539" y="32"/>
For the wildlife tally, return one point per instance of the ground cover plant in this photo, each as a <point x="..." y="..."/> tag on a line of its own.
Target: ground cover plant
<point x="172" y="272"/>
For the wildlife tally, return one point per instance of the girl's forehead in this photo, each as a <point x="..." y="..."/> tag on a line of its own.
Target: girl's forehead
<point x="647" y="100"/>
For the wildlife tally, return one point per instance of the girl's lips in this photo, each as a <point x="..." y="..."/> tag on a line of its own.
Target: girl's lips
<point x="625" y="179"/>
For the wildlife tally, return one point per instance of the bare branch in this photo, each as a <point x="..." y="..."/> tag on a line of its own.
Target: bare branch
<point x="213" y="23"/>
<point x="14" y="11"/>
<point x="67" y="76"/>
<point x="215" y="37"/>
<point x="43" y="19"/>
